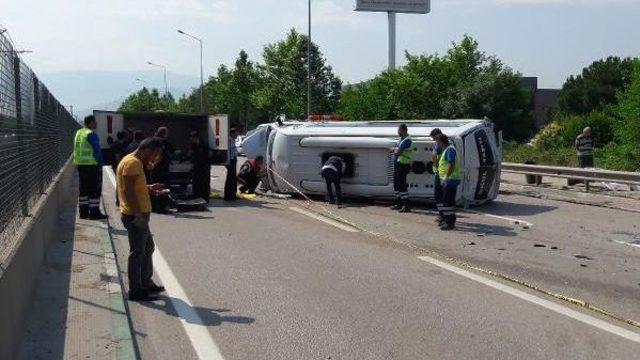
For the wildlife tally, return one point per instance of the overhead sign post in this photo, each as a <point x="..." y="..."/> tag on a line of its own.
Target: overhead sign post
<point x="391" y="7"/>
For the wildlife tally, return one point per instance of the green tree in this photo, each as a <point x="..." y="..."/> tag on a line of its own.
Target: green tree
<point x="463" y="83"/>
<point x="597" y="86"/>
<point x="284" y="86"/>
<point x="146" y="101"/>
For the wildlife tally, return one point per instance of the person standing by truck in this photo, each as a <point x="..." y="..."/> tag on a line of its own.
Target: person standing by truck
<point x="402" y="158"/>
<point x="135" y="207"/>
<point x="200" y="155"/>
<point x="584" y="146"/>
<point x="450" y="176"/>
<point x="87" y="156"/>
<point x="231" y="181"/>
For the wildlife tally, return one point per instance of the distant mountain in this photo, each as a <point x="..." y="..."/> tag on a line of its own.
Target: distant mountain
<point x="105" y="90"/>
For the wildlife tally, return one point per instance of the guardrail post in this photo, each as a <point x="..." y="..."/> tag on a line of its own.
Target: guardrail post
<point x="24" y="202"/>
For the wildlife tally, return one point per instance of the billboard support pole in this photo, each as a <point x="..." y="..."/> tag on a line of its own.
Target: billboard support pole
<point x="392" y="40"/>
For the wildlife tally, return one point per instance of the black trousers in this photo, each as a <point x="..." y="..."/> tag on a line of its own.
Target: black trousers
<point x="231" y="182"/>
<point x="448" y="209"/>
<point x="141" y="247"/>
<point x="90" y="180"/>
<point x="202" y="183"/>
<point x="249" y="183"/>
<point x="400" y="186"/>
<point x="437" y="192"/>
<point x="332" y="179"/>
<point x="585" y="161"/>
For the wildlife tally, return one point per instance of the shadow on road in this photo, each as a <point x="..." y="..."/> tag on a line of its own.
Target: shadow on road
<point x="506" y="208"/>
<point x="196" y="314"/>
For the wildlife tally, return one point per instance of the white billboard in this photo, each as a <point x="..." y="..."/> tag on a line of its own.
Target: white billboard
<point x="399" y="6"/>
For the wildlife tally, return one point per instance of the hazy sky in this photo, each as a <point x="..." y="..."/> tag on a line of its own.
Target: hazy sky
<point x="546" y="38"/>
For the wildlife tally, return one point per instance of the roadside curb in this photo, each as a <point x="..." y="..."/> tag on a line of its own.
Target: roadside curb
<point x="121" y="325"/>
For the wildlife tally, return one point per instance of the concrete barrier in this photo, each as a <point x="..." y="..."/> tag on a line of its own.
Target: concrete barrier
<point x="20" y="271"/>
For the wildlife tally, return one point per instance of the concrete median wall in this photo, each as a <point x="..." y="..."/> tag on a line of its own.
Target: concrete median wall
<point x="20" y="271"/>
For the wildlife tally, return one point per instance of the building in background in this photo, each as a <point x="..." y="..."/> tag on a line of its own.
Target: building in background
<point x="545" y="101"/>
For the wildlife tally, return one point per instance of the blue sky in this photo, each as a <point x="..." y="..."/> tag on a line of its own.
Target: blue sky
<point x="547" y="38"/>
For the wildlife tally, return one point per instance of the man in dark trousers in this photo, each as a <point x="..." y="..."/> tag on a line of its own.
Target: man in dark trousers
<point x="332" y="171"/>
<point x="437" y="185"/>
<point x="249" y="175"/>
<point x="200" y="155"/>
<point x="450" y="175"/>
<point x="231" y="182"/>
<point x="135" y="207"/>
<point x="584" y="146"/>
<point x="87" y="156"/>
<point x="402" y="159"/>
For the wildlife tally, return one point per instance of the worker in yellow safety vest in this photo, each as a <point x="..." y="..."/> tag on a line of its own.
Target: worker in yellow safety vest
<point x="87" y="156"/>
<point x="450" y="176"/>
<point x="402" y="159"/>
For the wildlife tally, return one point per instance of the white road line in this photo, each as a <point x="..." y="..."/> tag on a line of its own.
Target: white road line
<point x="511" y="220"/>
<point x="563" y="310"/>
<point x="200" y="337"/>
<point x="198" y="333"/>
<point x="324" y="220"/>
<point x="626" y="243"/>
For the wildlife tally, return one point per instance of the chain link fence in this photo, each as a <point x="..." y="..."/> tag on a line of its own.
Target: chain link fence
<point x="36" y="140"/>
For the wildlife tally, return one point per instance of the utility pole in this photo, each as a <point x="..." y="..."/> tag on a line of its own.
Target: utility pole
<point x="201" y="68"/>
<point x="309" y="65"/>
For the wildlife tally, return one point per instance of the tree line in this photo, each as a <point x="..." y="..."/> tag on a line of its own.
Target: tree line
<point x="463" y="83"/>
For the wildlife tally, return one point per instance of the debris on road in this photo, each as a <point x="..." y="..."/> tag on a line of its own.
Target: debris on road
<point x="539" y="245"/>
<point x="584" y="257"/>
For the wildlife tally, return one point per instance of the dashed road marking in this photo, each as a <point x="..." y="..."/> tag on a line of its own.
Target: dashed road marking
<point x="199" y="336"/>
<point x="325" y="220"/>
<point x="509" y="219"/>
<point x="549" y="305"/>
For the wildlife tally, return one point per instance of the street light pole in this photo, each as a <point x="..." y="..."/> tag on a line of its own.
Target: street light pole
<point x="144" y="83"/>
<point x="392" y="40"/>
<point x="201" y="68"/>
<point x="166" y="89"/>
<point x="309" y="65"/>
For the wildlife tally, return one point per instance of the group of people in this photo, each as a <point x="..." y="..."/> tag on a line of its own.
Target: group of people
<point x="448" y="175"/>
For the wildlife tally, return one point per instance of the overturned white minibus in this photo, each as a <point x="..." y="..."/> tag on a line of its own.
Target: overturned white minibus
<point x="295" y="151"/>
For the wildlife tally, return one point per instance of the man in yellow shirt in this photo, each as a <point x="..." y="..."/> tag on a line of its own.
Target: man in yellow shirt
<point x="135" y="207"/>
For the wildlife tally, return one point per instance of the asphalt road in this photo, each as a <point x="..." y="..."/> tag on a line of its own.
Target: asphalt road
<point x="267" y="279"/>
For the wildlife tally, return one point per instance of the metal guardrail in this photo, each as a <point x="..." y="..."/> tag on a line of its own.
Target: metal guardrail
<point x="587" y="175"/>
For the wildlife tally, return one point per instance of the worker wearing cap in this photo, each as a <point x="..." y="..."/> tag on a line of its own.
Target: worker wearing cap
<point x="402" y="159"/>
<point x="584" y="146"/>
<point x="87" y="156"/>
<point x="450" y="176"/>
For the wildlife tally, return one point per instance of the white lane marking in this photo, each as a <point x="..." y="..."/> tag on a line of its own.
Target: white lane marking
<point x="511" y="220"/>
<point x="324" y="220"/>
<point x="626" y="243"/>
<point x="563" y="310"/>
<point x="198" y="333"/>
<point x="195" y="328"/>
<point x="111" y="175"/>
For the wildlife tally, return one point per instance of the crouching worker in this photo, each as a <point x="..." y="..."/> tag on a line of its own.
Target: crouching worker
<point x="332" y="171"/>
<point x="249" y="175"/>
<point x="450" y="175"/>
<point x="135" y="206"/>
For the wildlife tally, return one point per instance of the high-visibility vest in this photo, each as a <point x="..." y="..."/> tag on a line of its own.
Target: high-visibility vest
<point x="82" y="149"/>
<point x="456" y="174"/>
<point x="407" y="154"/>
